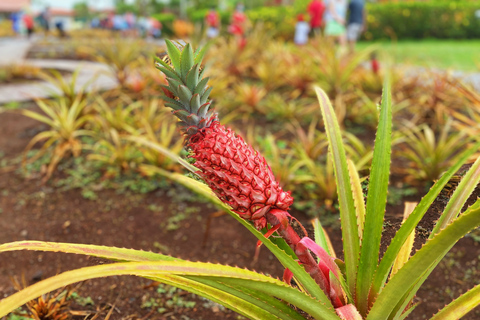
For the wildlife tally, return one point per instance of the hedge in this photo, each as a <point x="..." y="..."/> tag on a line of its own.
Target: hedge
<point x="416" y="20"/>
<point x="402" y="20"/>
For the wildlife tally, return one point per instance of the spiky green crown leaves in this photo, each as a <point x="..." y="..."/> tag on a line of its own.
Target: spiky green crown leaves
<point x="187" y="92"/>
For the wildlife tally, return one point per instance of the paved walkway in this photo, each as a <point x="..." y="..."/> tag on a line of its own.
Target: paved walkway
<point x="14" y="51"/>
<point x="471" y="78"/>
<point x="88" y="71"/>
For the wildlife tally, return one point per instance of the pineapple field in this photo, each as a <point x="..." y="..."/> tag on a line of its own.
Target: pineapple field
<point x="290" y="140"/>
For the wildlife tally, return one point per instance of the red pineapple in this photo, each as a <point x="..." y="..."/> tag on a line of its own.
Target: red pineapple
<point x="237" y="173"/>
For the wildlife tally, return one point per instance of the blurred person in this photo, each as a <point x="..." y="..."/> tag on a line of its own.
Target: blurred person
<point x="238" y="24"/>
<point x="213" y="22"/>
<point x="130" y="20"/>
<point x="108" y="22"/>
<point x="29" y="24"/>
<point x="316" y="9"/>
<point x="335" y="19"/>
<point x="155" y="28"/>
<point x="374" y="64"/>
<point x="16" y="21"/>
<point x="302" y="29"/>
<point x="95" y="23"/>
<point x="61" y="29"/>
<point x="356" y="22"/>
<point x="119" y="24"/>
<point x="143" y="26"/>
<point x="238" y="21"/>
<point x="44" y="18"/>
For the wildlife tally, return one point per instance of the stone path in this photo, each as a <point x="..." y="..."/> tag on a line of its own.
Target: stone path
<point x="13" y="50"/>
<point x="88" y="71"/>
<point x="471" y="78"/>
<point x="93" y="75"/>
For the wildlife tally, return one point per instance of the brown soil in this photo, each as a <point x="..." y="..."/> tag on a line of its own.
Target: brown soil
<point x="29" y="210"/>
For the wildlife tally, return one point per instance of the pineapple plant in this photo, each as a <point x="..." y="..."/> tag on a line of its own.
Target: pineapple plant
<point x="237" y="173"/>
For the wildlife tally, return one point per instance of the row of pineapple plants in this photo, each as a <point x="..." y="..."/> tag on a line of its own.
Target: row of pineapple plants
<point x="240" y="180"/>
<point x="249" y="81"/>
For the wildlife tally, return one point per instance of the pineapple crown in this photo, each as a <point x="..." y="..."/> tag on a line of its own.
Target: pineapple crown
<point x="187" y="92"/>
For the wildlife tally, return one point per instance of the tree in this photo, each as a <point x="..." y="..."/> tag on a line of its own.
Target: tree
<point x="81" y="11"/>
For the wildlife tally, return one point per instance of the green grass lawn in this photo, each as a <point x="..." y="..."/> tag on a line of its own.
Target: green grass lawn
<point x="446" y="54"/>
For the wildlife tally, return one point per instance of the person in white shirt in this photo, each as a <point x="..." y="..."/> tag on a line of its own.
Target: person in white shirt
<point x="302" y="28"/>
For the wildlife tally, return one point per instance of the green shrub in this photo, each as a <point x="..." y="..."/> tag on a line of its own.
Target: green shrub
<point x="280" y="19"/>
<point x="437" y="19"/>
<point x="197" y="15"/>
<point x="166" y="19"/>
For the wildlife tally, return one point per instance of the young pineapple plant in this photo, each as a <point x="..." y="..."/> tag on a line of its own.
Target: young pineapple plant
<point x="238" y="175"/>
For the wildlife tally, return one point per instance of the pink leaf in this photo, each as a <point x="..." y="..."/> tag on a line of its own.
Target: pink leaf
<point x="348" y="312"/>
<point x="268" y="234"/>
<point x="326" y="262"/>
<point x="287" y="276"/>
<point x="337" y="295"/>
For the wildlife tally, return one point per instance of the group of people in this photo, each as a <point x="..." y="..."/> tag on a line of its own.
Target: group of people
<point x="237" y="23"/>
<point x="24" y="22"/>
<point x="341" y="20"/>
<point x="129" y="24"/>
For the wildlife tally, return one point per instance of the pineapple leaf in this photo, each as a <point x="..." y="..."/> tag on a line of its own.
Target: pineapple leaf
<point x="174" y="106"/>
<point x="321" y="237"/>
<point x="404" y="253"/>
<point x="182" y="115"/>
<point x="186" y="60"/>
<point x="202" y="111"/>
<point x="202" y="84"/>
<point x="409" y="225"/>
<point x="184" y="275"/>
<point x="376" y="201"/>
<point x="174" y="54"/>
<point x="174" y="84"/>
<point x="195" y="103"/>
<point x="205" y="95"/>
<point x="460" y="195"/>
<point x="348" y="216"/>
<point x="185" y="95"/>
<point x="200" y="54"/>
<point x="165" y="67"/>
<point x="169" y="73"/>
<point x="111" y="253"/>
<point x="176" y="102"/>
<point x="267" y="303"/>
<point x="422" y="262"/>
<point x="357" y="196"/>
<point x="192" y="78"/>
<point x="460" y="306"/>
<point x="193" y="118"/>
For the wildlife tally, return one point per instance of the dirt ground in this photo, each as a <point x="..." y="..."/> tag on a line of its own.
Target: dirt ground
<point x="30" y="210"/>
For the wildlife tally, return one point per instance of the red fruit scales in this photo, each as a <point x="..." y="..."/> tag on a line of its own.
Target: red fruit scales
<point x="237" y="173"/>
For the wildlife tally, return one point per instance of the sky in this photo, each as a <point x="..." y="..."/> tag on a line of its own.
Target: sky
<point x="68" y="4"/>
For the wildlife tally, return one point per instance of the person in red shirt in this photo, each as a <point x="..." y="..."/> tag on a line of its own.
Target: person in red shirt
<point x="213" y="22"/>
<point x="316" y="9"/>
<point x="237" y="24"/>
<point x="28" y="22"/>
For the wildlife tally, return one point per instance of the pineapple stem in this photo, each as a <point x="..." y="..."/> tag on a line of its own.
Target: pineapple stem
<point x="277" y="217"/>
